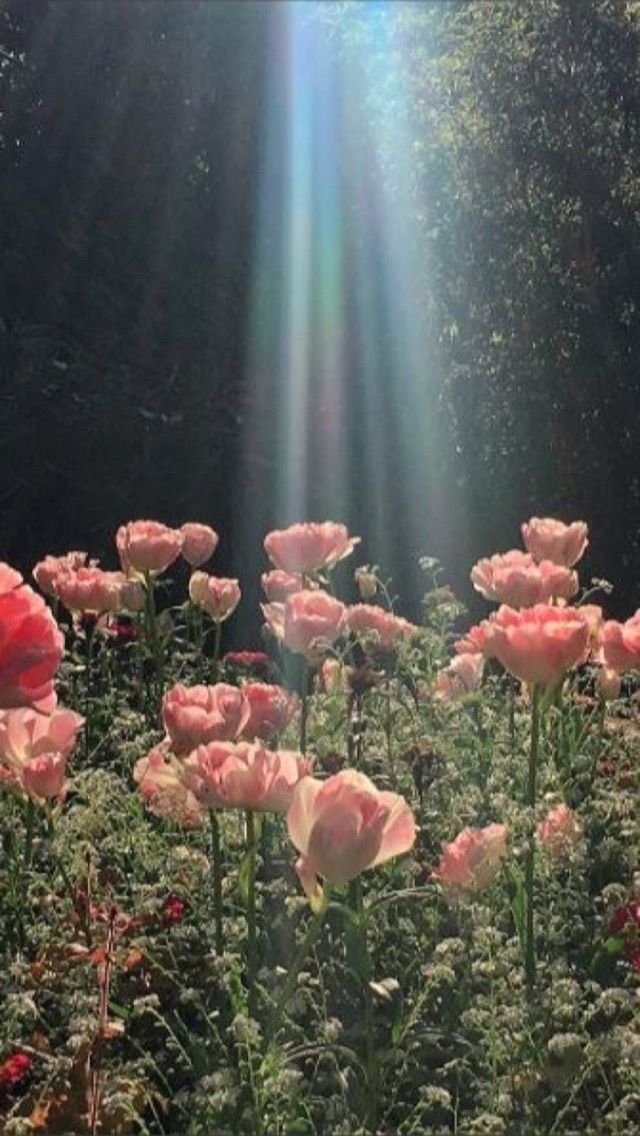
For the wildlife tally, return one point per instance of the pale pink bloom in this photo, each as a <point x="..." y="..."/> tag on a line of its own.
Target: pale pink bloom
<point x="277" y="585"/>
<point x="244" y="776"/>
<point x="148" y="547"/>
<point x="608" y="683"/>
<point x="271" y="708"/>
<point x="345" y="825"/>
<point x="516" y="579"/>
<point x="132" y="596"/>
<point x="621" y="643"/>
<point x="538" y="644"/>
<point x="474" y="859"/>
<point x="594" y="618"/>
<point x="195" y="715"/>
<point x="200" y="543"/>
<point x="43" y="777"/>
<point x="217" y="595"/>
<point x="473" y="641"/>
<point x="90" y="589"/>
<point x="548" y="539"/>
<point x="380" y="626"/>
<point x="309" y="547"/>
<point x="164" y="792"/>
<point x="559" y="832"/>
<point x="331" y="677"/>
<point x="31" y="645"/>
<point x="26" y="735"/>
<point x="47" y="571"/>
<point x="462" y="676"/>
<point x="367" y="582"/>
<point x="307" y="623"/>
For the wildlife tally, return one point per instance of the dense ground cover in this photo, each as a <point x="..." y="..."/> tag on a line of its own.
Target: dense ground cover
<point x="376" y="878"/>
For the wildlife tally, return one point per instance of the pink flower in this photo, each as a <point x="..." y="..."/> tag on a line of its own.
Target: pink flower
<point x="548" y="539"/>
<point x="307" y="623"/>
<point x="218" y="596"/>
<point x="200" y="543"/>
<point x="608" y="683"/>
<point x="474" y="859"/>
<point x="345" y="825"/>
<point x="621" y="643"/>
<point x="367" y="582"/>
<point x="44" y="777"/>
<point x="462" y="676"/>
<point x="47" y="571"/>
<point x="474" y="641"/>
<point x="31" y="644"/>
<point x="559" y="832"/>
<point x="516" y="579"/>
<point x="244" y="776"/>
<point x="331" y="677"/>
<point x="374" y="623"/>
<point x="277" y="585"/>
<point x="309" y="547"/>
<point x="195" y="715"/>
<point x="271" y="708"/>
<point x="90" y="589"/>
<point x="538" y="644"/>
<point x="148" y="547"/>
<point x="164" y="792"/>
<point x="14" y="1070"/>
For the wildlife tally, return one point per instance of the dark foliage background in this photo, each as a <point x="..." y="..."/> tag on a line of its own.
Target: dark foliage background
<point x="130" y="145"/>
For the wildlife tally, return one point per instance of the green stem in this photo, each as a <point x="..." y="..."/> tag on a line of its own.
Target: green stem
<point x="28" y="837"/>
<point x="216" y="861"/>
<point x="364" y="973"/>
<point x="252" y="941"/>
<point x="217" y="642"/>
<point x="529" y="865"/>
<point x="304" y="708"/>
<point x="152" y="629"/>
<point x="388" y="729"/>
<point x="307" y="944"/>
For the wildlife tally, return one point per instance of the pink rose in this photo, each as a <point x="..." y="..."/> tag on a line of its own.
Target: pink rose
<point x="462" y="676"/>
<point x="345" y="825"/>
<point x="200" y="543"/>
<point x="164" y="792"/>
<point x="374" y="623"/>
<point x="516" y="579"/>
<point x="217" y="595"/>
<point x="621" y="643"/>
<point x="90" y="589"/>
<point x="244" y="776"/>
<point x="271" y="708"/>
<point x="148" y="547"/>
<point x="195" y="715"/>
<point x="277" y="585"/>
<point x="474" y="859"/>
<point x="548" y="539"/>
<point x="538" y="644"/>
<point x="31" y="645"/>
<point x="309" y="547"/>
<point x="307" y="623"/>
<point x="47" y="571"/>
<point x="559" y="832"/>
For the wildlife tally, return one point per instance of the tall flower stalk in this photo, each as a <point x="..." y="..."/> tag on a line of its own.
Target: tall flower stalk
<point x="216" y="864"/>
<point x="529" y="864"/>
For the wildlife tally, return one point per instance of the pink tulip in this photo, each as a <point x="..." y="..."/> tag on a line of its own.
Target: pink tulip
<point x="331" y="677"/>
<point x="474" y="859"/>
<point x="538" y="644"/>
<point x="367" y="582"/>
<point x="462" y="676"/>
<point x="47" y="571"/>
<point x="621" y="643"/>
<point x="164" y="792"/>
<point x="44" y="777"/>
<point x="608" y="683"/>
<point x="380" y="626"/>
<point x="90" y="589"/>
<point x="548" y="539"/>
<point x="200" y="543"/>
<point x="132" y="596"/>
<point x="277" y="585"/>
<point x="271" y="708"/>
<point x="217" y="595"/>
<point x="195" y="715"/>
<point x="516" y="579"/>
<point x="473" y="642"/>
<point x="31" y="645"/>
<point x="148" y="547"/>
<point x="307" y="623"/>
<point x="244" y="776"/>
<point x="559" y="832"/>
<point x="345" y="825"/>
<point x="309" y="547"/>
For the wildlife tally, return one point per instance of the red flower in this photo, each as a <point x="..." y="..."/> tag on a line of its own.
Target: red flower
<point x="15" y="1069"/>
<point x="173" y="910"/>
<point x="625" y="922"/>
<point x="256" y="660"/>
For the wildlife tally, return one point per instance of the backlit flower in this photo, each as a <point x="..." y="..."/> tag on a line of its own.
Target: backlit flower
<point x="148" y="547"/>
<point x="474" y="859"/>
<point x="538" y="644"/>
<point x="548" y="539"/>
<point x="309" y="547"/>
<point x="200" y="543"/>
